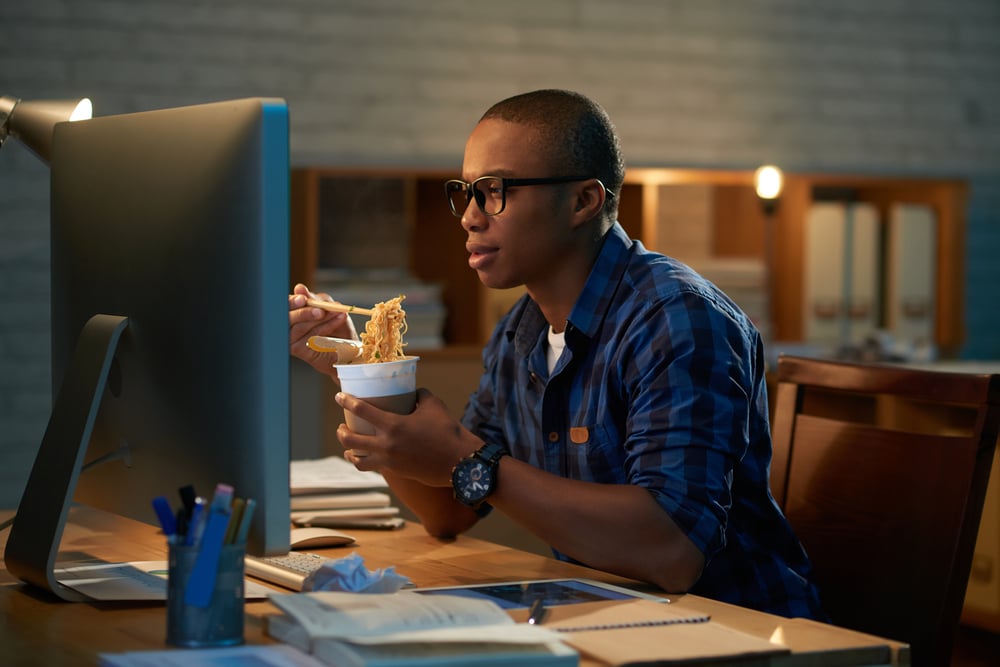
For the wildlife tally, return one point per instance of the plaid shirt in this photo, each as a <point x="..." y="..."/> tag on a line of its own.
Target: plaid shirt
<point x="661" y="385"/>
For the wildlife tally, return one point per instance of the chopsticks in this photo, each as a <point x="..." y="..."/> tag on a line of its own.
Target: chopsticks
<point x="339" y="307"/>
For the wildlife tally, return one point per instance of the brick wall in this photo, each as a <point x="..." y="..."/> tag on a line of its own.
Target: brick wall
<point x="891" y="87"/>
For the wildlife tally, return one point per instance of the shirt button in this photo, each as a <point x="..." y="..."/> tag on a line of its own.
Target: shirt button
<point x="553" y="436"/>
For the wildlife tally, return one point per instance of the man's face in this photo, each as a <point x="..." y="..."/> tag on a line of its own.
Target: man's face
<point x="527" y="242"/>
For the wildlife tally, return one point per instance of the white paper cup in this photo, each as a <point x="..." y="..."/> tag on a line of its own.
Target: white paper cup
<point x="391" y="386"/>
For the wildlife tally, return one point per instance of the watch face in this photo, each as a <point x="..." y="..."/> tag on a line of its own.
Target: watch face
<point x="473" y="481"/>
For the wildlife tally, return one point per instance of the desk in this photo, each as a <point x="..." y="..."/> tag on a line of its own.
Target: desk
<point x="39" y="631"/>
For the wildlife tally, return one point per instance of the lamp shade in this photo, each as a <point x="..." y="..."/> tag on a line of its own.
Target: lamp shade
<point x="33" y="122"/>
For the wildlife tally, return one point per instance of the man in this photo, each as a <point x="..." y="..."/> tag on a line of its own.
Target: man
<point x="622" y="413"/>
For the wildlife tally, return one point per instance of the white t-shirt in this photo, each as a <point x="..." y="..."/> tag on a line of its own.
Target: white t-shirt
<point x="557" y="343"/>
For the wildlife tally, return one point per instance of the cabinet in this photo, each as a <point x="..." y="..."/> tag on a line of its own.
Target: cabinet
<point x="366" y="219"/>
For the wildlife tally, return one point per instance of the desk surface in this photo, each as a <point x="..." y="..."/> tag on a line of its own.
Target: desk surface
<point x="39" y="631"/>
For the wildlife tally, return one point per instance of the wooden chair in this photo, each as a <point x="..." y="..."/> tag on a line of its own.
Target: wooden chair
<point x="882" y="472"/>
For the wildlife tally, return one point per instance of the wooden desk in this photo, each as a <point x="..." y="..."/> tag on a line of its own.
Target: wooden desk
<point x="39" y="631"/>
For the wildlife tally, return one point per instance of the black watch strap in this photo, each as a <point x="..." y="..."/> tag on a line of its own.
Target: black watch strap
<point x="491" y="452"/>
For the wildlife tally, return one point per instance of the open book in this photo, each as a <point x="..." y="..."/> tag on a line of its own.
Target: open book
<point x="408" y="629"/>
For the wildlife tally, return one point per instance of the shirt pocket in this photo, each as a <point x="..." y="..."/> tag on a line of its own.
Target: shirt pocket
<point x="594" y="454"/>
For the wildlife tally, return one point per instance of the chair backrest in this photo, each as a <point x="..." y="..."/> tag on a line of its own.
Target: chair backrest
<point x="882" y="472"/>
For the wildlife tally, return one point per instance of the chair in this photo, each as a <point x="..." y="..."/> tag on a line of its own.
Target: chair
<point x="882" y="472"/>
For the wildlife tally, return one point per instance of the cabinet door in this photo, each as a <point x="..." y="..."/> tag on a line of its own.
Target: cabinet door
<point x="911" y="273"/>
<point x="842" y="258"/>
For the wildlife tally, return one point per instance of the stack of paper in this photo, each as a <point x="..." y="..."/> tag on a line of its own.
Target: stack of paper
<point x="331" y="492"/>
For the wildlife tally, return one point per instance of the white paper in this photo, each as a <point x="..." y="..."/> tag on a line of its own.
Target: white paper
<point x="329" y="474"/>
<point x="278" y="655"/>
<point x="403" y="617"/>
<point x="136" y="580"/>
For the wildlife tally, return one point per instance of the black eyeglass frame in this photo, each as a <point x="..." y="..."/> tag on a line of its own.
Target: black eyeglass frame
<point x="456" y="184"/>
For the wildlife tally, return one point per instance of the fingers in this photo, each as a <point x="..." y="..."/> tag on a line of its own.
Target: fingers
<point x="356" y="450"/>
<point x="307" y="321"/>
<point x="361" y="408"/>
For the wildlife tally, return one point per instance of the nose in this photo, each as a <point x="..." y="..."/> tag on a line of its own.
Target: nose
<point x="473" y="219"/>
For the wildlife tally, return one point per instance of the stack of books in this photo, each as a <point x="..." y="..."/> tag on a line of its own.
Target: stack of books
<point x="332" y="493"/>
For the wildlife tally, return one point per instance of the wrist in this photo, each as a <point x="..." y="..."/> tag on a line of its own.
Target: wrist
<point x="475" y="477"/>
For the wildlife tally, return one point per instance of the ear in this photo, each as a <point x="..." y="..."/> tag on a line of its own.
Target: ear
<point x="588" y="201"/>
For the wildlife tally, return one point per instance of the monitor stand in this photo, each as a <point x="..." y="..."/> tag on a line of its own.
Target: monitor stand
<point x="33" y="544"/>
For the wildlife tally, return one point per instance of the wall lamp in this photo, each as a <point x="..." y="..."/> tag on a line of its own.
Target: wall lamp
<point x="33" y="122"/>
<point x="768" y="181"/>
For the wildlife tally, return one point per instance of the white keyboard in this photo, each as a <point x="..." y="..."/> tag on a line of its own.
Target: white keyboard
<point x="289" y="571"/>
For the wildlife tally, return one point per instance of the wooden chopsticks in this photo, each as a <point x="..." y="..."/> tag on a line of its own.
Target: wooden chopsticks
<point x="339" y="307"/>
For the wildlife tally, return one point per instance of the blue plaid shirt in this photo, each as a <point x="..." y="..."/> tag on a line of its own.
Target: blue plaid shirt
<point x="661" y="385"/>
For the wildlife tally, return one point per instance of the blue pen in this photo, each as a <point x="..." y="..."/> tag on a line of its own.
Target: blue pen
<point x="196" y="524"/>
<point x="166" y="516"/>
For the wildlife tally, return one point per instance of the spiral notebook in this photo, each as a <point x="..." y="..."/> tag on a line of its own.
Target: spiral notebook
<point x="633" y="632"/>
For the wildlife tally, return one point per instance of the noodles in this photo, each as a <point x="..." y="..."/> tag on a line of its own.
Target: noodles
<point x="383" y="336"/>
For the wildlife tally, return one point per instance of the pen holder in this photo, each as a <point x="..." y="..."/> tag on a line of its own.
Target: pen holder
<point x="209" y="612"/>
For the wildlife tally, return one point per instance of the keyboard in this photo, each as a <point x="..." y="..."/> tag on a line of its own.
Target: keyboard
<point x="288" y="571"/>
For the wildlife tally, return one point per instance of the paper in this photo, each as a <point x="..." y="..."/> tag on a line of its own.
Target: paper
<point x="406" y="628"/>
<point x="349" y="574"/>
<point x="340" y="500"/>
<point x="136" y="580"/>
<point x="405" y="618"/>
<point x="355" y="616"/>
<point x="330" y="474"/>
<point x="278" y="655"/>
<point x="323" y="517"/>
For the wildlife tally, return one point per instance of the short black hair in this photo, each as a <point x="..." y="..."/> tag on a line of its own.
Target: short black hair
<point x="579" y="133"/>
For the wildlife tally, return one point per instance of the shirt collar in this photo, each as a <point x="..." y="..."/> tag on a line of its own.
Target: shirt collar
<point x="591" y="306"/>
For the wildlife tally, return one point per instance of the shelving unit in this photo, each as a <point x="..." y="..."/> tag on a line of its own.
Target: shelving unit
<point x="399" y="218"/>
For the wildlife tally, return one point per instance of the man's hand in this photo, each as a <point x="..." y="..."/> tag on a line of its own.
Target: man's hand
<point x="307" y="321"/>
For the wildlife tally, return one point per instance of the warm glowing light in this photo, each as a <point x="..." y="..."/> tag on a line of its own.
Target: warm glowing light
<point x="83" y="111"/>
<point x="768" y="181"/>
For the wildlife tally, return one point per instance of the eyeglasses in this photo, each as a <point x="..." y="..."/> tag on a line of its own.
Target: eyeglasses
<point x="490" y="192"/>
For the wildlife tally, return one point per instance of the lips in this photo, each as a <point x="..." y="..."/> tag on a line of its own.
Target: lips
<point x="479" y="254"/>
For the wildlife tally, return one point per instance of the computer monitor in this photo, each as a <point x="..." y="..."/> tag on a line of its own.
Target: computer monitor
<point x="170" y="276"/>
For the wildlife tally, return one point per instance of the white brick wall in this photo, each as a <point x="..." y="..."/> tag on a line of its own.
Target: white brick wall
<point x="894" y="87"/>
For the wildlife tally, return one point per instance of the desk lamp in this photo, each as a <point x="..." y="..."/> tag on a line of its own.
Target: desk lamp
<point x="33" y="122"/>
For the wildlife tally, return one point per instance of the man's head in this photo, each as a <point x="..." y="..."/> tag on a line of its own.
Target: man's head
<point x="540" y="182"/>
<point x="576" y="133"/>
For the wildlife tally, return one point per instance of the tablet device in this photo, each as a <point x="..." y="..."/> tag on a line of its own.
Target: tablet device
<point x="552" y="592"/>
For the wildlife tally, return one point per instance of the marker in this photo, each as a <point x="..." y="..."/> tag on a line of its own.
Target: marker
<point x="235" y="519"/>
<point x="244" y="529"/>
<point x="188" y="498"/>
<point x="182" y="525"/>
<point x="166" y="516"/>
<point x="223" y="497"/>
<point x="201" y="583"/>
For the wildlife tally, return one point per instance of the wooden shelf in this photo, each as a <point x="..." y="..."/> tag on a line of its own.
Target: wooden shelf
<point x="430" y="242"/>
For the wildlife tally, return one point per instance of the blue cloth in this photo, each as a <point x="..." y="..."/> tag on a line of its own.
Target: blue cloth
<point x="661" y="385"/>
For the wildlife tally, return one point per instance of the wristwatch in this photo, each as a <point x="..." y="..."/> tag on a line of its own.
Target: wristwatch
<point x="474" y="478"/>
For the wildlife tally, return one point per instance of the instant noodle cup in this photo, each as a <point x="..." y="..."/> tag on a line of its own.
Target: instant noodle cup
<point x="390" y="385"/>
